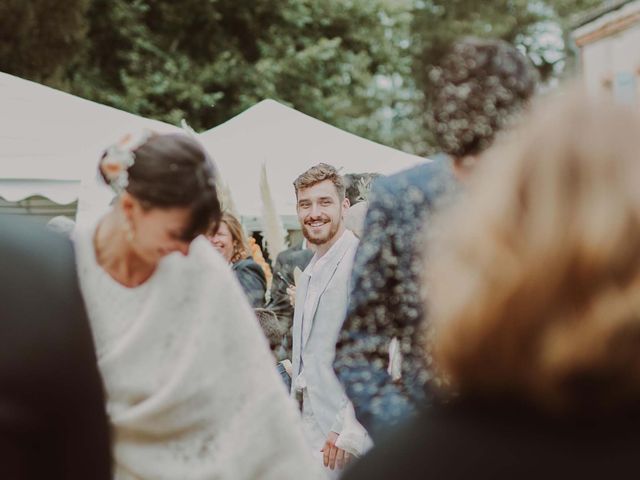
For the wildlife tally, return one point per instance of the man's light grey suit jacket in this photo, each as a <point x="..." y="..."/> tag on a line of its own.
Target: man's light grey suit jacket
<point x="326" y="395"/>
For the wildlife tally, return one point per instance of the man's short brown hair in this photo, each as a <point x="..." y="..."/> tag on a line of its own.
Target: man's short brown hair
<point x="320" y="173"/>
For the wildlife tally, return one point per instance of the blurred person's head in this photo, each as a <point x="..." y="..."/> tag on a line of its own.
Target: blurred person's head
<point x="62" y="225"/>
<point x="534" y="278"/>
<point x="354" y="219"/>
<point x="321" y="204"/>
<point x="167" y="193"/>
<point x="476" y="90"/>
<point x="358" y="186"/>
<point x="229" y="239"/>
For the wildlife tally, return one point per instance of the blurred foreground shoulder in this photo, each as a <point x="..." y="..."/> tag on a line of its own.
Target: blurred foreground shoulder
<point x="52" y="390"/>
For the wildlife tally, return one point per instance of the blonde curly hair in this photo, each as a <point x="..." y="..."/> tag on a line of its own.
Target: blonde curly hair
<point x="534" y="278"/>
<point x="240" y="243"/>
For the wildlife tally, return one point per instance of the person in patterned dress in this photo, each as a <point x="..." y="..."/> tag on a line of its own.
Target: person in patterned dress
<point x="476" y="91"/>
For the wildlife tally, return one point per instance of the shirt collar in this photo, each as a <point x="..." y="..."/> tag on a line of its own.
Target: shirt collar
<point x="317" y="263"/>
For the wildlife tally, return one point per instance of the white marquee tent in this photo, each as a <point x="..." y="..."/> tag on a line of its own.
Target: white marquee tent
<point x="288" y="142"/>
<point x="50" y="140"/>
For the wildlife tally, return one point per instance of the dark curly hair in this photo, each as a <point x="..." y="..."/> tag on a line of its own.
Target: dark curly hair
<point x="476" y="89"/>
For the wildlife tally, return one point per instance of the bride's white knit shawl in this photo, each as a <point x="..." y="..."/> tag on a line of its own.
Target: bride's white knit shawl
<point x="191" y="385"/>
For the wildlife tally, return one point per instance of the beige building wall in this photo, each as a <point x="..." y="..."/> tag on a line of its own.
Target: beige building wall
<point x="610" y="53"/>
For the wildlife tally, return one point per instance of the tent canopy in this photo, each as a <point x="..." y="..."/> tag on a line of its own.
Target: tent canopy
<point x="289" y="142"/>
<point x="49" y="139"/>
<point x="50" y="142"/>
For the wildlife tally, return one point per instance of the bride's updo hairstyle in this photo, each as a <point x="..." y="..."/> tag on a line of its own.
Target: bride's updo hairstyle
<point x="170" y="171"/>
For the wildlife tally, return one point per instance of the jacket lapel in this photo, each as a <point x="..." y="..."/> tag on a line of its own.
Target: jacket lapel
<point x="301" y="293"/>
<point x="327" y="274"/>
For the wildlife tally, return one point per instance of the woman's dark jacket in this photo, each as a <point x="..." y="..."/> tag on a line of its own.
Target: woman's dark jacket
<point x="252" y="279"/>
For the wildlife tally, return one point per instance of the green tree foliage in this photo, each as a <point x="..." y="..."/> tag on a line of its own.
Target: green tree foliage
<point x="39" y="39"/>
<point x="208" y="60"/>
<point x="357" y="64"/>
<point x="540" y="28"/>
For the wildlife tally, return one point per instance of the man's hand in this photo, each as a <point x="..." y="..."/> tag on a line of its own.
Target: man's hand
<point x="291" y="292"/>
<point x="333" y="456"/>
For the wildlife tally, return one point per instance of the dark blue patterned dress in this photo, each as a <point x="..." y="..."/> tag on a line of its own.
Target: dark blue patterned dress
<point x="385" y="299"/>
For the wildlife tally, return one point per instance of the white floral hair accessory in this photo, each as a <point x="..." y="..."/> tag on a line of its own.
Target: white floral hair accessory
<point x="119" y="157"/>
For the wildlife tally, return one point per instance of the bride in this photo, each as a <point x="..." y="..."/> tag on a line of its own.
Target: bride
<point x="191" y="392"/>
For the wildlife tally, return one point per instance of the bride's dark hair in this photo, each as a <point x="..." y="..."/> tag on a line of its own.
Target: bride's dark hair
<point x="173" y="170"/>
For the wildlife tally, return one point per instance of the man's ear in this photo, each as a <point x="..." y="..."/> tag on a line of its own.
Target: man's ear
<point x="346" y="203"/>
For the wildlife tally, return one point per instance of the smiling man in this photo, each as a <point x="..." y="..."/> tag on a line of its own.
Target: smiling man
<point x="321" y="303"/>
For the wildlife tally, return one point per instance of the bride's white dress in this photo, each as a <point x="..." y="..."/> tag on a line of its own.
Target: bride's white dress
<point x="192" y="388"/>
